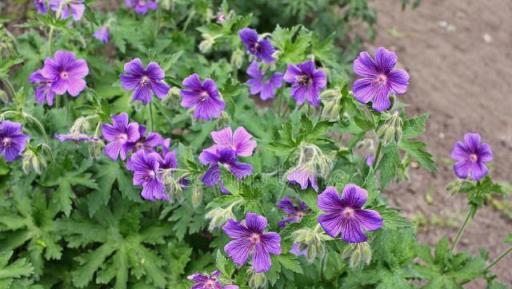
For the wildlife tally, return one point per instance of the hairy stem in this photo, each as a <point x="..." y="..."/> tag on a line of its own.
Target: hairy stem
<point x="500" y="257"/>
<point x="469" y="216"/>
<point x="151" y="115"/>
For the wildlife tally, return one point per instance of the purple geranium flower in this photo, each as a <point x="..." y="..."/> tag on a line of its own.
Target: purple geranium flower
<point x="261" y="48"/>
<point x="208" y="281"/>
<point x="68" y="8"/>
<point x="144" y="81"/>
<point x="146" y="143"/>
<point x="120" y="135"/>
<point x="102" y="34"/>
<point x="65" y="72"/>
<point x="294" y="213"/>
<point x="40" y="6"/>
<point x="43" y="92"/>
<point x="259" y="84"/>
<point x="378" y="78"/>
<point x="169" y="160"/>
<point x="307" y="82"/>
<point x="345" y="216"/>
<point x="204" y="97"/>
<point x="470" y="157"/>
<point x="250" y="239"/>
<point x="146" y="173"/>
<point x="141" y="6"/>
<point x="226" y="157"/>
<point x="304" y="177"/>
<point x="241" y="141"/>
<point x="12" y="140"/>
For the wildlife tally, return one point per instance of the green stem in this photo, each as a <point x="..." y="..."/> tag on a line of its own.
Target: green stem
<point x="151" y="115"/>
<point x="462" y="228"/>
<point x="52" y="28"/>
<point x="377" y="158"/>
<point x="497" y="260"/>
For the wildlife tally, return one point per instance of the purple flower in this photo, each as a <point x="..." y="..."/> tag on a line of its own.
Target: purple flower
<point x="208" y="281"/>
<point x="102" y="34"/>
<point x="226" y="157"/>
<point x="241" y="141"/>
<point x="65" y="72"/>
<point x="294" y="213"/>
<point x="141" y="6"/>
<point x="68" y="8"/>
<point x="12" y="140"/>
<point x="74" y="137"/>
<point x="204" y="97"/>
<point x="146" y="143"/>
<point x="120" y="135"/>
<point x="304" y="177"/>
<point x="307" y="82"/>
<point x="297" y="250"/>
<point x="40" y="6"/>
<point x="470" y="157"/>
<point x="261" y="48"/>
<point x="169" y="160"/>
<point x="345" y="216"/>
<point x="259" y="84"/>
<point x="144" y="81"/>
<point x="369" y="160"/>
<point x="249" y="239"/>
<point x="146" y="173"/>
<point x="378" y="78"/>
<point x="43" y="92"/>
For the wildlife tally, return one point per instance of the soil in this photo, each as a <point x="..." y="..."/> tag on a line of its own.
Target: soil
<point x="458" y="54"/>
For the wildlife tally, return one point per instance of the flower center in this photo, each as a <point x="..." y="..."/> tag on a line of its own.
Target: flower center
<point x="145" y="80"/>
<point x="122" y="137"/>
<point x="203" y="96"/>
<point x="150" y="175"/>
<point x="210" y="284"/>
<point x="255" y="238"/>
<point x="7" y="142"/>
<point x="473" y="158"/>
<point x="348" y="212"/>
<point x="303" y="80"/>
<point x="64" y="75"/>
<point x="300" y="215"/>
<point x="381" y="79"/>
<point x="139" y="145"/>
<point x="142" y="2"/>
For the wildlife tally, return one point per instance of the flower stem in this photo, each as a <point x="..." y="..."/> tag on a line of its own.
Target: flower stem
<point x="377" y="156"/>
<point x="151" y="115"/>
<point x="500" y="257"/>
<point x="471" y="213"/>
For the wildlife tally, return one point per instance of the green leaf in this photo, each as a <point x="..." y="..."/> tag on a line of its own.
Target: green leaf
<point x="418" y="151"/>
<point x="389" y="164"/>
<point x="289" y="262"/>
<point x="415" y="127"/>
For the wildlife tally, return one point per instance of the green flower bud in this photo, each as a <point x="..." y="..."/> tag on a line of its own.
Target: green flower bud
<point x="32" y="162"/>
<point x="197" y="196"/>
<point x="237" y="58"/>
<point x="257" y="280"/>
<point x="311" y="241"/>
<point x="391" y="130"/>
<point x="208" y="41"/>
<point x="331" y="99"/>
<point x="359" y="255"/>
<point x="219" y="216"/>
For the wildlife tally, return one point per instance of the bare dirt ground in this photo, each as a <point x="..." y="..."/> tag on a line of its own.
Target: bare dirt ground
<point x="459" y="56"/>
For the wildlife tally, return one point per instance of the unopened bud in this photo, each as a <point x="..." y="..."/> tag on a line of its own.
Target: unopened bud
<point x="32" y="162"/>
<point x="257" y="280"/>
<point x="206" y="45"/>
<point x="237" y="58"/>
<point x="219" y="216"/>
<point x="359" y="254"/>
<point x="331" y="99"/>
<point x="310" y="242"/>
<point x="391" y="130"/>
<point x="197" y="196"/>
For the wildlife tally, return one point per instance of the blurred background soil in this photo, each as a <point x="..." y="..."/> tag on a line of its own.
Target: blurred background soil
<point x="459" y="56"/>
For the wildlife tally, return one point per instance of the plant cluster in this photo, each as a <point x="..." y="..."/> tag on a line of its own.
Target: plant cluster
<point x="163" y="145"/>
